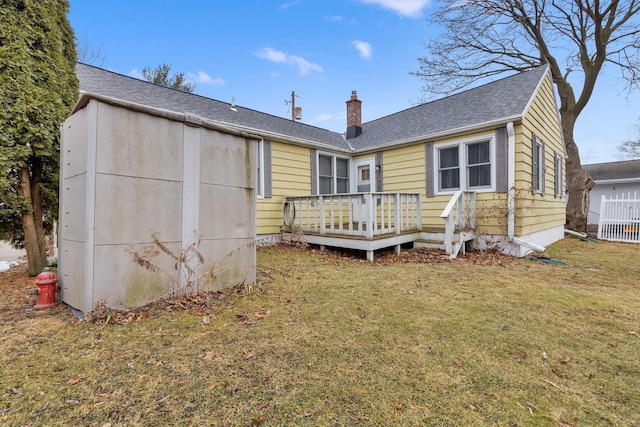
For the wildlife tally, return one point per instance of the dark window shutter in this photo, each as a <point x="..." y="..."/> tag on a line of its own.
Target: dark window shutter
<point x="534" y="163"/>
<point x="314" y="174"/>
<point x="428" y="155"/>
<point x="502" y="179"/>
<point x="542" y="168"/>
<point x="266" y="151"/>
<point x="379" y="172"/>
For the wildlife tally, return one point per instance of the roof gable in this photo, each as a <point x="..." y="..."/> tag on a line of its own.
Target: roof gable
<point x="503" y="100"/>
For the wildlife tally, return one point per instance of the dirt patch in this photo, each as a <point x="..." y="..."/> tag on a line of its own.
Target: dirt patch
<point x="410" y="256"/>
<point x="16" y="297"/>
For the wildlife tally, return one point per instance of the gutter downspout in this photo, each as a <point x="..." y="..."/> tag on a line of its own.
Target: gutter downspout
<point x="511" y="181"/>
<point x="511" y="195"/>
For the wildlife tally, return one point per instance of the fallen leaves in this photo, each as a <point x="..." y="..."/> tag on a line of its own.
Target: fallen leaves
<point x="253" y="319"/>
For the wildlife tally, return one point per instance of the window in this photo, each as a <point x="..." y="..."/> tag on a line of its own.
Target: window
<point x="478" y="165"/>
<point x="537" y="164"/>
<point x="466" y="165"/>
<point x="333" y="174"/>
<point x="557" y="172"/>
<point x="263" y="170"/>
<point x="449" y="169"/>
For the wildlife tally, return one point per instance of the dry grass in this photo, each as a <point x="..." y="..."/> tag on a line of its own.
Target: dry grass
<point x="330" y="340"/>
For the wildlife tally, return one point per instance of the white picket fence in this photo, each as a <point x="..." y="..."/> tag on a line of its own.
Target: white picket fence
<point x="620" y="218"/>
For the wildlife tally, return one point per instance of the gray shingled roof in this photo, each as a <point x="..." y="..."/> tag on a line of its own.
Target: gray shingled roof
<point x="502" y="99"/>
<point x="97" y="81"/>
<point x="614" y="170"/>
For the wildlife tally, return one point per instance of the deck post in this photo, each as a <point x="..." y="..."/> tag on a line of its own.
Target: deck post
<point x="322" y="217"/>
<point x="397" y="214"/>
<point x="398" y="249"/>
<point x="371" y="210"/>
<point x="419" y="213"/>
<point x="370" y="256"/>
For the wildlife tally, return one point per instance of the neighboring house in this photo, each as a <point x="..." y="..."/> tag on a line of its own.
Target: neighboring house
<point x="485" y="165"/>
<point x="613" y="179"/>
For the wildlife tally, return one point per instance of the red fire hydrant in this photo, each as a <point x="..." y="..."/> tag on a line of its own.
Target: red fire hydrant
<point x="47" y="283"/>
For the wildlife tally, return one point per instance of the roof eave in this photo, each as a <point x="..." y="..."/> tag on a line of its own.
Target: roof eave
<point x="492" y="124"/>
<point x="616" y="180"/>
<point x="245" y="131"/>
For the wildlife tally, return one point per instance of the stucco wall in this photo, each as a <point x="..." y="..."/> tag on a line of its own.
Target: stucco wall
<point x="137" y="184"/>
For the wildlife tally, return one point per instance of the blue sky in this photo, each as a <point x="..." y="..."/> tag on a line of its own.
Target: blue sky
<point x="259" y="51"/>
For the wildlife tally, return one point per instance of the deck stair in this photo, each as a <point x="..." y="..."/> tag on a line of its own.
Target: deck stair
<point x="459" y="218"/>
<point x="435" y="239"/>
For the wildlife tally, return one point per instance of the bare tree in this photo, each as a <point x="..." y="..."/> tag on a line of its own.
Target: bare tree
<point x="577" y="38"/>
<point x="630" y="149"/>
<point x="88" y="54"/>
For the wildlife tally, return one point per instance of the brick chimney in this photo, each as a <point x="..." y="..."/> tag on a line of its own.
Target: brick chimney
<point x="354" y="116"/>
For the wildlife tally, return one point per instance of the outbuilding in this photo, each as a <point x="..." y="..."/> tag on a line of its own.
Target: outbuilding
<point x="153" y="202"/>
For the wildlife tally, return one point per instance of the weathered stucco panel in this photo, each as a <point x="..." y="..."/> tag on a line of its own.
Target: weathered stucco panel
<point x="73" y="215"/>
<point x="227" y="264"/>
<point x="225" y="160"/>
<point x="120" y="282"/>
<point x="131" y="209"/>
<point x="226" y="212"/>
<point x="136" y="144"/>
<point x="74" y="156"/>
<point x="72" y="275"/>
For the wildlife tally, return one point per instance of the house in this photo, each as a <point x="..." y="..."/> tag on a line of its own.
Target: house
<point x="483" y="167"/>
<point x="612" y="179"/>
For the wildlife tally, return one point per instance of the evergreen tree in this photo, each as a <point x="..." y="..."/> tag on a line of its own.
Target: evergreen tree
<point x="160" y="76"/>
<point x="38" y="88"/>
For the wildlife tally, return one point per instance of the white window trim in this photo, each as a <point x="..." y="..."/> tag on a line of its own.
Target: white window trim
<point x="558" y="181"/>
<point x="540" y="153"/>
<point x="260" y="172"/>
<point x="463" y="163"/>
<point x="334" y="169"/>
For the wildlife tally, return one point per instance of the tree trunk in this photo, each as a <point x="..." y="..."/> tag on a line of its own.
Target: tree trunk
<point x="32" y="221"/>
<point x="579" y="182"/>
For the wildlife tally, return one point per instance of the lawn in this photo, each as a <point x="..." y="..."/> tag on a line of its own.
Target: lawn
<point x="329" y="339"/>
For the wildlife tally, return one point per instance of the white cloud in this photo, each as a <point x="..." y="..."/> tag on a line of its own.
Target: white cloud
<point x="136" y="73"/>
<point x="202" y="77"/>
<point x="336" y="18"/>
<point x="285" y="6"/>
<point x="280" y="57"/>
<point x="410" y="8"/>
<point x="365" y="49"/>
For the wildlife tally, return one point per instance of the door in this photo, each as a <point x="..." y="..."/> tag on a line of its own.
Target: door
<point x="365" y="183"/>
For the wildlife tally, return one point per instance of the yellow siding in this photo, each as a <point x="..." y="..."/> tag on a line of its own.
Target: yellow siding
<point x="403" y="170"/>
<point x="291" y="176"/>
<point x="537" y="212"/>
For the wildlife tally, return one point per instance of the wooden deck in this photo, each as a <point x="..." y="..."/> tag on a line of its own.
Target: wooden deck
<point x="372" y="221"/>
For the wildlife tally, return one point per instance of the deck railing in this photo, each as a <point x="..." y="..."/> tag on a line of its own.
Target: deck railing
<point x="364" y="215"/>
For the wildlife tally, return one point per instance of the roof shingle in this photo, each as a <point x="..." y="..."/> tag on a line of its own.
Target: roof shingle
<point x="503" y="99"/>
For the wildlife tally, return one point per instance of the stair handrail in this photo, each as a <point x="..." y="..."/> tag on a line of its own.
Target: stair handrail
<point x="449" y="224"/>
<point x="456" y="206"/>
